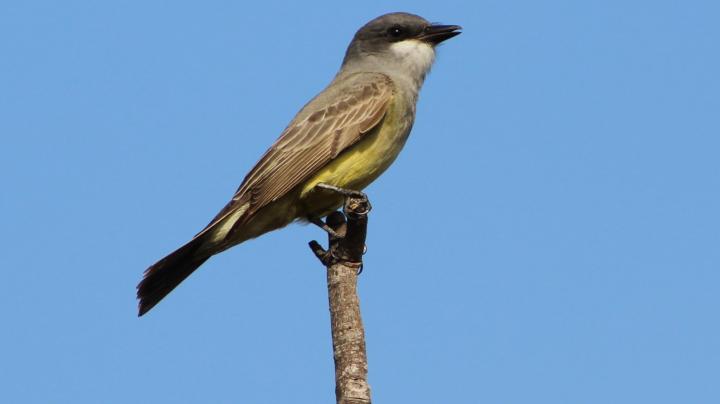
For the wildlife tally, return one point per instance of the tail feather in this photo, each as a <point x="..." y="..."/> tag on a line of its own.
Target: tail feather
<point x="162" y="277"/>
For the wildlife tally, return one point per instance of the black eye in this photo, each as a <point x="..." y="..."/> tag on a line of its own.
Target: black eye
<point x="396" y="31"/>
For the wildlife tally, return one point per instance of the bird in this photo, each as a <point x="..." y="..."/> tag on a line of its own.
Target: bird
<point x="343" y="138"/>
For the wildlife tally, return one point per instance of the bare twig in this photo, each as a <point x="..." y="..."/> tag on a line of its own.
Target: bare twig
<point x="343" y="260"/>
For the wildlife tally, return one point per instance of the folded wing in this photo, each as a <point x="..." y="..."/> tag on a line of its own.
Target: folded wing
<point x="320" y="133"/>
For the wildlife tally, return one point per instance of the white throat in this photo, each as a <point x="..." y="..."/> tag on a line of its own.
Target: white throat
<point x="415" y="57"/>
<point x="406" y="62"/>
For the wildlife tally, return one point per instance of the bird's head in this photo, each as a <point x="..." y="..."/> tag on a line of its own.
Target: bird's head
<point x="403" y="40"/>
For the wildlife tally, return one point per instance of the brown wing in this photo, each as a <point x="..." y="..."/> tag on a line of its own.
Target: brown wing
<point x="332" y="122"/>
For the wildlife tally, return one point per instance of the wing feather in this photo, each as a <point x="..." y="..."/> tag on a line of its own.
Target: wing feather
<point x="319" y="133"/>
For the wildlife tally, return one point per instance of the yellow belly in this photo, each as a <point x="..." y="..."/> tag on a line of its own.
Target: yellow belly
<point x="360" y="165"/>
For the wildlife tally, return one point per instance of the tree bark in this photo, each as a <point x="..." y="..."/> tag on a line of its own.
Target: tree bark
<point x="343" y="260"/>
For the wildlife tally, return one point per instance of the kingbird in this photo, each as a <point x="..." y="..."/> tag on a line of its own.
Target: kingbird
<point x="344" y="137"/>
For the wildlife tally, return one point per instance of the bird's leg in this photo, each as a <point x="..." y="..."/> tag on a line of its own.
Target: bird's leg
<point x="347" y="229"/>
<point x="319" y="223"/>
<point x="359" y="197"/>
<point x="355" y="209"/>
<point x="348" y="193"/>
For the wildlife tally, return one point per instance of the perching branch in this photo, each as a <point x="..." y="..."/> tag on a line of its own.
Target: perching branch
<point x="343" y="260"/>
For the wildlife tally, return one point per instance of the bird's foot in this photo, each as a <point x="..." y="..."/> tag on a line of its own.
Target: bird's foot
<point x="319" y="223"/>
<point x="348" y="193"/>
<point x="355" y="201"/>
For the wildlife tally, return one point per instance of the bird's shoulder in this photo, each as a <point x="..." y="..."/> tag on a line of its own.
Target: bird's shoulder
<point x="344" y="92"/>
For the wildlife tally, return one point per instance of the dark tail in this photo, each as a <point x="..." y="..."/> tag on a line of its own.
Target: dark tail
<point x="161" y="278"/>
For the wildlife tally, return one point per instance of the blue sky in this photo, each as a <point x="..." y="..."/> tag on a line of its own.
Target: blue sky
<point x="550" y="234"/>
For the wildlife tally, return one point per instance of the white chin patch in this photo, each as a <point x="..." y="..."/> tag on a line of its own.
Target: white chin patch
<point x="414" y="54"/>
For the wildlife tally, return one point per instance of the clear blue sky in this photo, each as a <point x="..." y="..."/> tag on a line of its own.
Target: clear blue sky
<point x="550" y="234"/>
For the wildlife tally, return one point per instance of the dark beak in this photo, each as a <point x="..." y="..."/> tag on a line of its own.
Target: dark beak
<point x="434" y="34"/>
